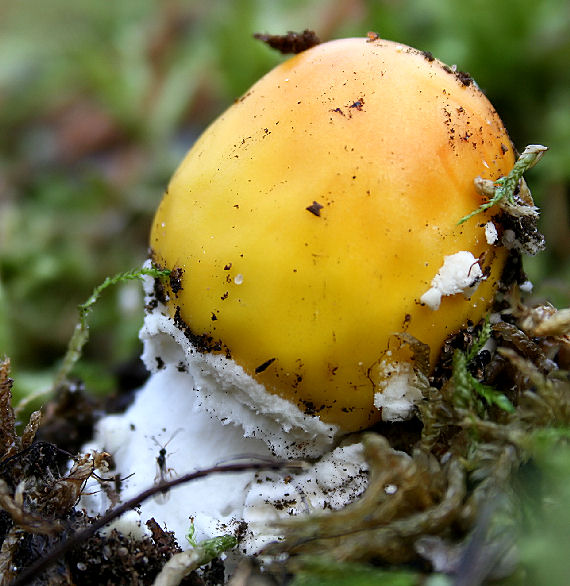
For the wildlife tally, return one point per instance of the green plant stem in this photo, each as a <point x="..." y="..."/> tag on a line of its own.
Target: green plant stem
<point x="81" y="332"/>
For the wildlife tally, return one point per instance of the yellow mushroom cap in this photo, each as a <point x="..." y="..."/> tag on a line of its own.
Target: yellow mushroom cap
<point x="308" y="221"/>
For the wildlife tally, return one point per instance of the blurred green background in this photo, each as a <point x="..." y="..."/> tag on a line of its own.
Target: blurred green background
<point x="100" y="100"/>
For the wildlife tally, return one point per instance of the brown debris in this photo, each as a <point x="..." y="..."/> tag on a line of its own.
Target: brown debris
<point x="545" y="320"/>
<point x="13" y="504"/>
<point x="30" y="431"/>
<point x="9" y="549"/>
<point x="315" y="208"/>
<point x="511" y="336"/>
<point x="462" y="76"/>
<point x="264" y="366"/>
<point x="202" y="342"/>
<point x="119" y="560"/>
<point x="68" y="419"/>
<point x="176" y="280"/>
<point x="165" y="540"/>
<point x="291" y="43"/>
<point x="9" y="441"/>
<point x="65" y="492"/>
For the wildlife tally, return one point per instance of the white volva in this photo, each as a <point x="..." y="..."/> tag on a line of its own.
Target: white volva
<point x="199" y="410"/>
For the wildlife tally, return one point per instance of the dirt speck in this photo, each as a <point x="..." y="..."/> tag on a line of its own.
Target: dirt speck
<point x="315" y="208"/>
<point x="358" y="104"/>
<point x="176" y="280"/>
<point x="202" y="342"/>
<point x="462" y="76"/>
<point x="264" y="366"/>
<point x="290" y="43"/>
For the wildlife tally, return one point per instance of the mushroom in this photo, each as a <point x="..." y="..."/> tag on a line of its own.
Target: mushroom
<point x="310" y="229"/>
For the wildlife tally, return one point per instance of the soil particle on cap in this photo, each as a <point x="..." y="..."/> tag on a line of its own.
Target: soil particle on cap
<point x="291" y="43"/>
<point x="310" y="409"/>
<point x="159" y="294"/>
<point x="462" y="76"/>
<point x="176" y="280"/>
<point x="202" y="342"/>
<point x="358" y="104"/>
<point x="315" y="208"/>
<point x="298" y="380"/>
<point x="265" y="365"/>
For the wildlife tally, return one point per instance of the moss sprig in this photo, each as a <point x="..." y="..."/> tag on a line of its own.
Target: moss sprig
<point x="181" y="564"/>
<point x="468" y="390"/>
<point x="81" y="332"/>
<point x="503" y="189"/>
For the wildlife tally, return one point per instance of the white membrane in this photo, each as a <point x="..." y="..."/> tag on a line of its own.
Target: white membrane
<point x="198" y="410"/>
